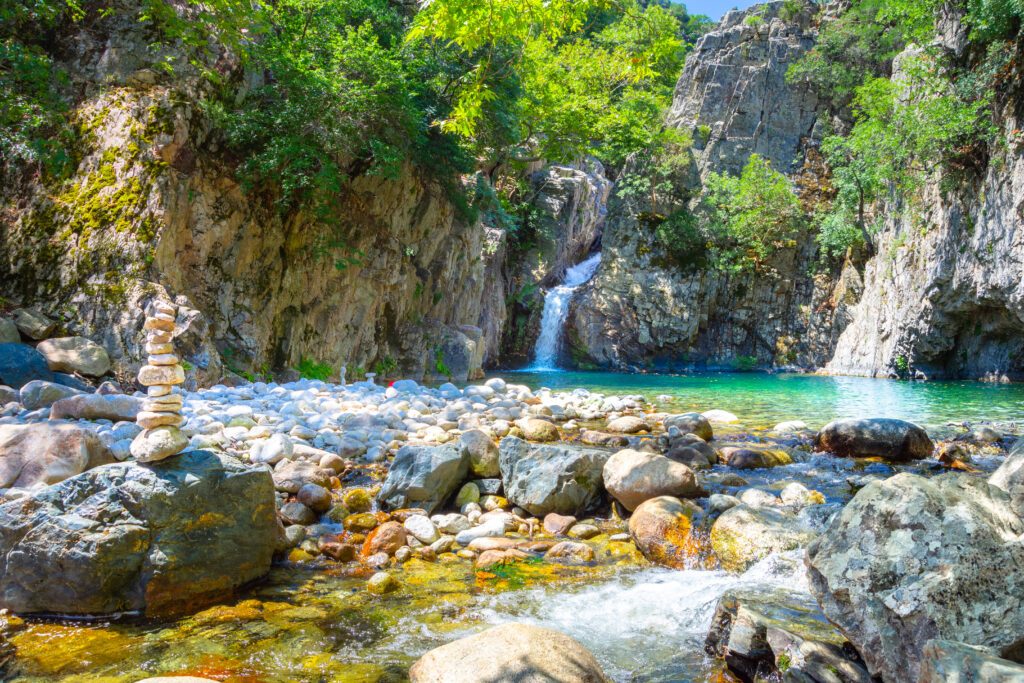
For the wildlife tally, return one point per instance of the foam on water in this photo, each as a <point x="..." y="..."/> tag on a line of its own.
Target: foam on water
<point x="648" y="625"/>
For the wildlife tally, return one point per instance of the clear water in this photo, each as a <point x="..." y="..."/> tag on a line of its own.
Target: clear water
<point x="762" y="400"/>
<point x="556" y="309"/>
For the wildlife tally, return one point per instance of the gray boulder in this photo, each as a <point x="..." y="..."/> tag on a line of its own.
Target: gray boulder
<point x="632" y="477"/>
<point x="46" y="453"/>
<point x="482" y="452"/>
<point x="75" y="354"/>
<point x="1010" y="477"/>
<point x="551" y="478"/>
<point x="945" y="661"/>
<point x="910" y="560"/>
<point x="20" y="364"/>
<point x="41" y="394"/>
<point x="113" y="407"/>
<point x="691" y="423"/>
<point x="744" y="534"/>
<point x="765" y="634"/>
<point x="876" y="436"/>
<point x="161" y="538"/>
<point x="424" y="476"/>
<point x="510" y="652"/>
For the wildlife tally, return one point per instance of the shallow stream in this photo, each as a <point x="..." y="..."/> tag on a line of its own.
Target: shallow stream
<point x="318" y="623"/>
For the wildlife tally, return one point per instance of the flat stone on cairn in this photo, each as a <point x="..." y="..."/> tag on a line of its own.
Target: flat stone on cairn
<point x="160" y="417"/>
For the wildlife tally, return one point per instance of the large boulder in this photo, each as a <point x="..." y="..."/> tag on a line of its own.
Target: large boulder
<point x="161" y="538"/>
<point x="47" y="453"/>
<point x="743" y="534"/>
<point x="424" y="476"/>
<point x="75" y="354"/>
<point x="482" y="452"/>
<point x="41" y="394"/>
<point x="910" y="560"/>
<point x="551" y="478"/>
<point x="665" y="530"/>
<point x="20" y="364"/>
<point x="510" y="652"/>
<point x="691" y="423"/>
<point x="1010" y="477"/>
<point x="632" y="477"/>
<point x="778" y="634"/>
<point x="113" y="407"/>
<point x="875" y="436"/>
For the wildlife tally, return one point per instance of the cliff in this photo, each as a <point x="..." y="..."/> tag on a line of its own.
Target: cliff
<point x="401" y="283"/>
<point x="638" y="311"/>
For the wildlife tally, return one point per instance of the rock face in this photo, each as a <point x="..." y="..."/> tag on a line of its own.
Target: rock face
<point x="20" y="364"/>
<point x="47" y="453"/>
<point x="511" y="652"/>
<point x="189" y="229"/>
<point x="123" y="537"/>
<point x="632" y="477"/>
<point x="424" y="476"/>
<point x="551" y="478"/>
<point x="892" y="439"/>
<point x="734" y="100"/>
<point x="910" y="560"/>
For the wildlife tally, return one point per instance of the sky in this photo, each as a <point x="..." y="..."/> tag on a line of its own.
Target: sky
<point x="716" y="8"/>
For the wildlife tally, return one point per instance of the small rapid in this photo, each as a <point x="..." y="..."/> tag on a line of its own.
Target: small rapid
<point x="556" y="310"/>
<point x="648" y="625"/>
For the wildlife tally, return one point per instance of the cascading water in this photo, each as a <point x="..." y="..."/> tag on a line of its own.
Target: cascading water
<point x="556" y="309"/>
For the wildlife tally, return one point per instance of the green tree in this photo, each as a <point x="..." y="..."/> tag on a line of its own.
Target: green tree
<point x="751" y="216"/>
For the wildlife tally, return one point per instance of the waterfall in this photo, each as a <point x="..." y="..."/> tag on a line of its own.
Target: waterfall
<point x="556" y="309"/>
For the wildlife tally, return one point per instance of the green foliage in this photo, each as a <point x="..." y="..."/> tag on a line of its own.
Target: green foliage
<point x="751" y="216"/>
<point x="902" y="365"/>
<point x="862" y="43"/>
<point x="745" y="363"/>
<point x="33" y="125"/>
<point x="992" y="20"/>
<point x="310" y="369"/>
<point x="439" y="365"/>
<point x="385" y="366"/>
<point x="683" y="240"/>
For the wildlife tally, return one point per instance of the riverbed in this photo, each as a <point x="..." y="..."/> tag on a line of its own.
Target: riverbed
<point x="314" y="621"/>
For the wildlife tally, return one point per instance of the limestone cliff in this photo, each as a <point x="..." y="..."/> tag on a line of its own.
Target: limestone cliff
<point x="944" y="296"/>
<point x="640" y="312"/>
<point x="941" y="297"/>
<point x="402" y="283"/>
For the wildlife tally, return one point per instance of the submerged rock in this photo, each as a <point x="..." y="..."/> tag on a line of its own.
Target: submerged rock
<point x="157" y="538"/>
<point x="634" y="476"/>
<point x="766" y="633"/>
<point x="910" y="559"/>
<point x="551" y="478"/>
<point x="424" y="476"/>
<point x="664" y="530"/>
<point x="510" y="652"/>
<point x="882" y="437"/>
<point x="43" y="454"/>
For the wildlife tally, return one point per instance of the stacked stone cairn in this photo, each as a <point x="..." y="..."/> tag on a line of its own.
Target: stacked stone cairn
<point x="160" y="417"/>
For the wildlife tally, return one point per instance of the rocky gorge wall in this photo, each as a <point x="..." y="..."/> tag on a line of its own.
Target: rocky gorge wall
<point x="940" y="297"/>
<point x="638" y="311"/>
<point x="153" y="210"/>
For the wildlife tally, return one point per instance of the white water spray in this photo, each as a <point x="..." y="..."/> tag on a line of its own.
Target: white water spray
<point x="556" y="310"/>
